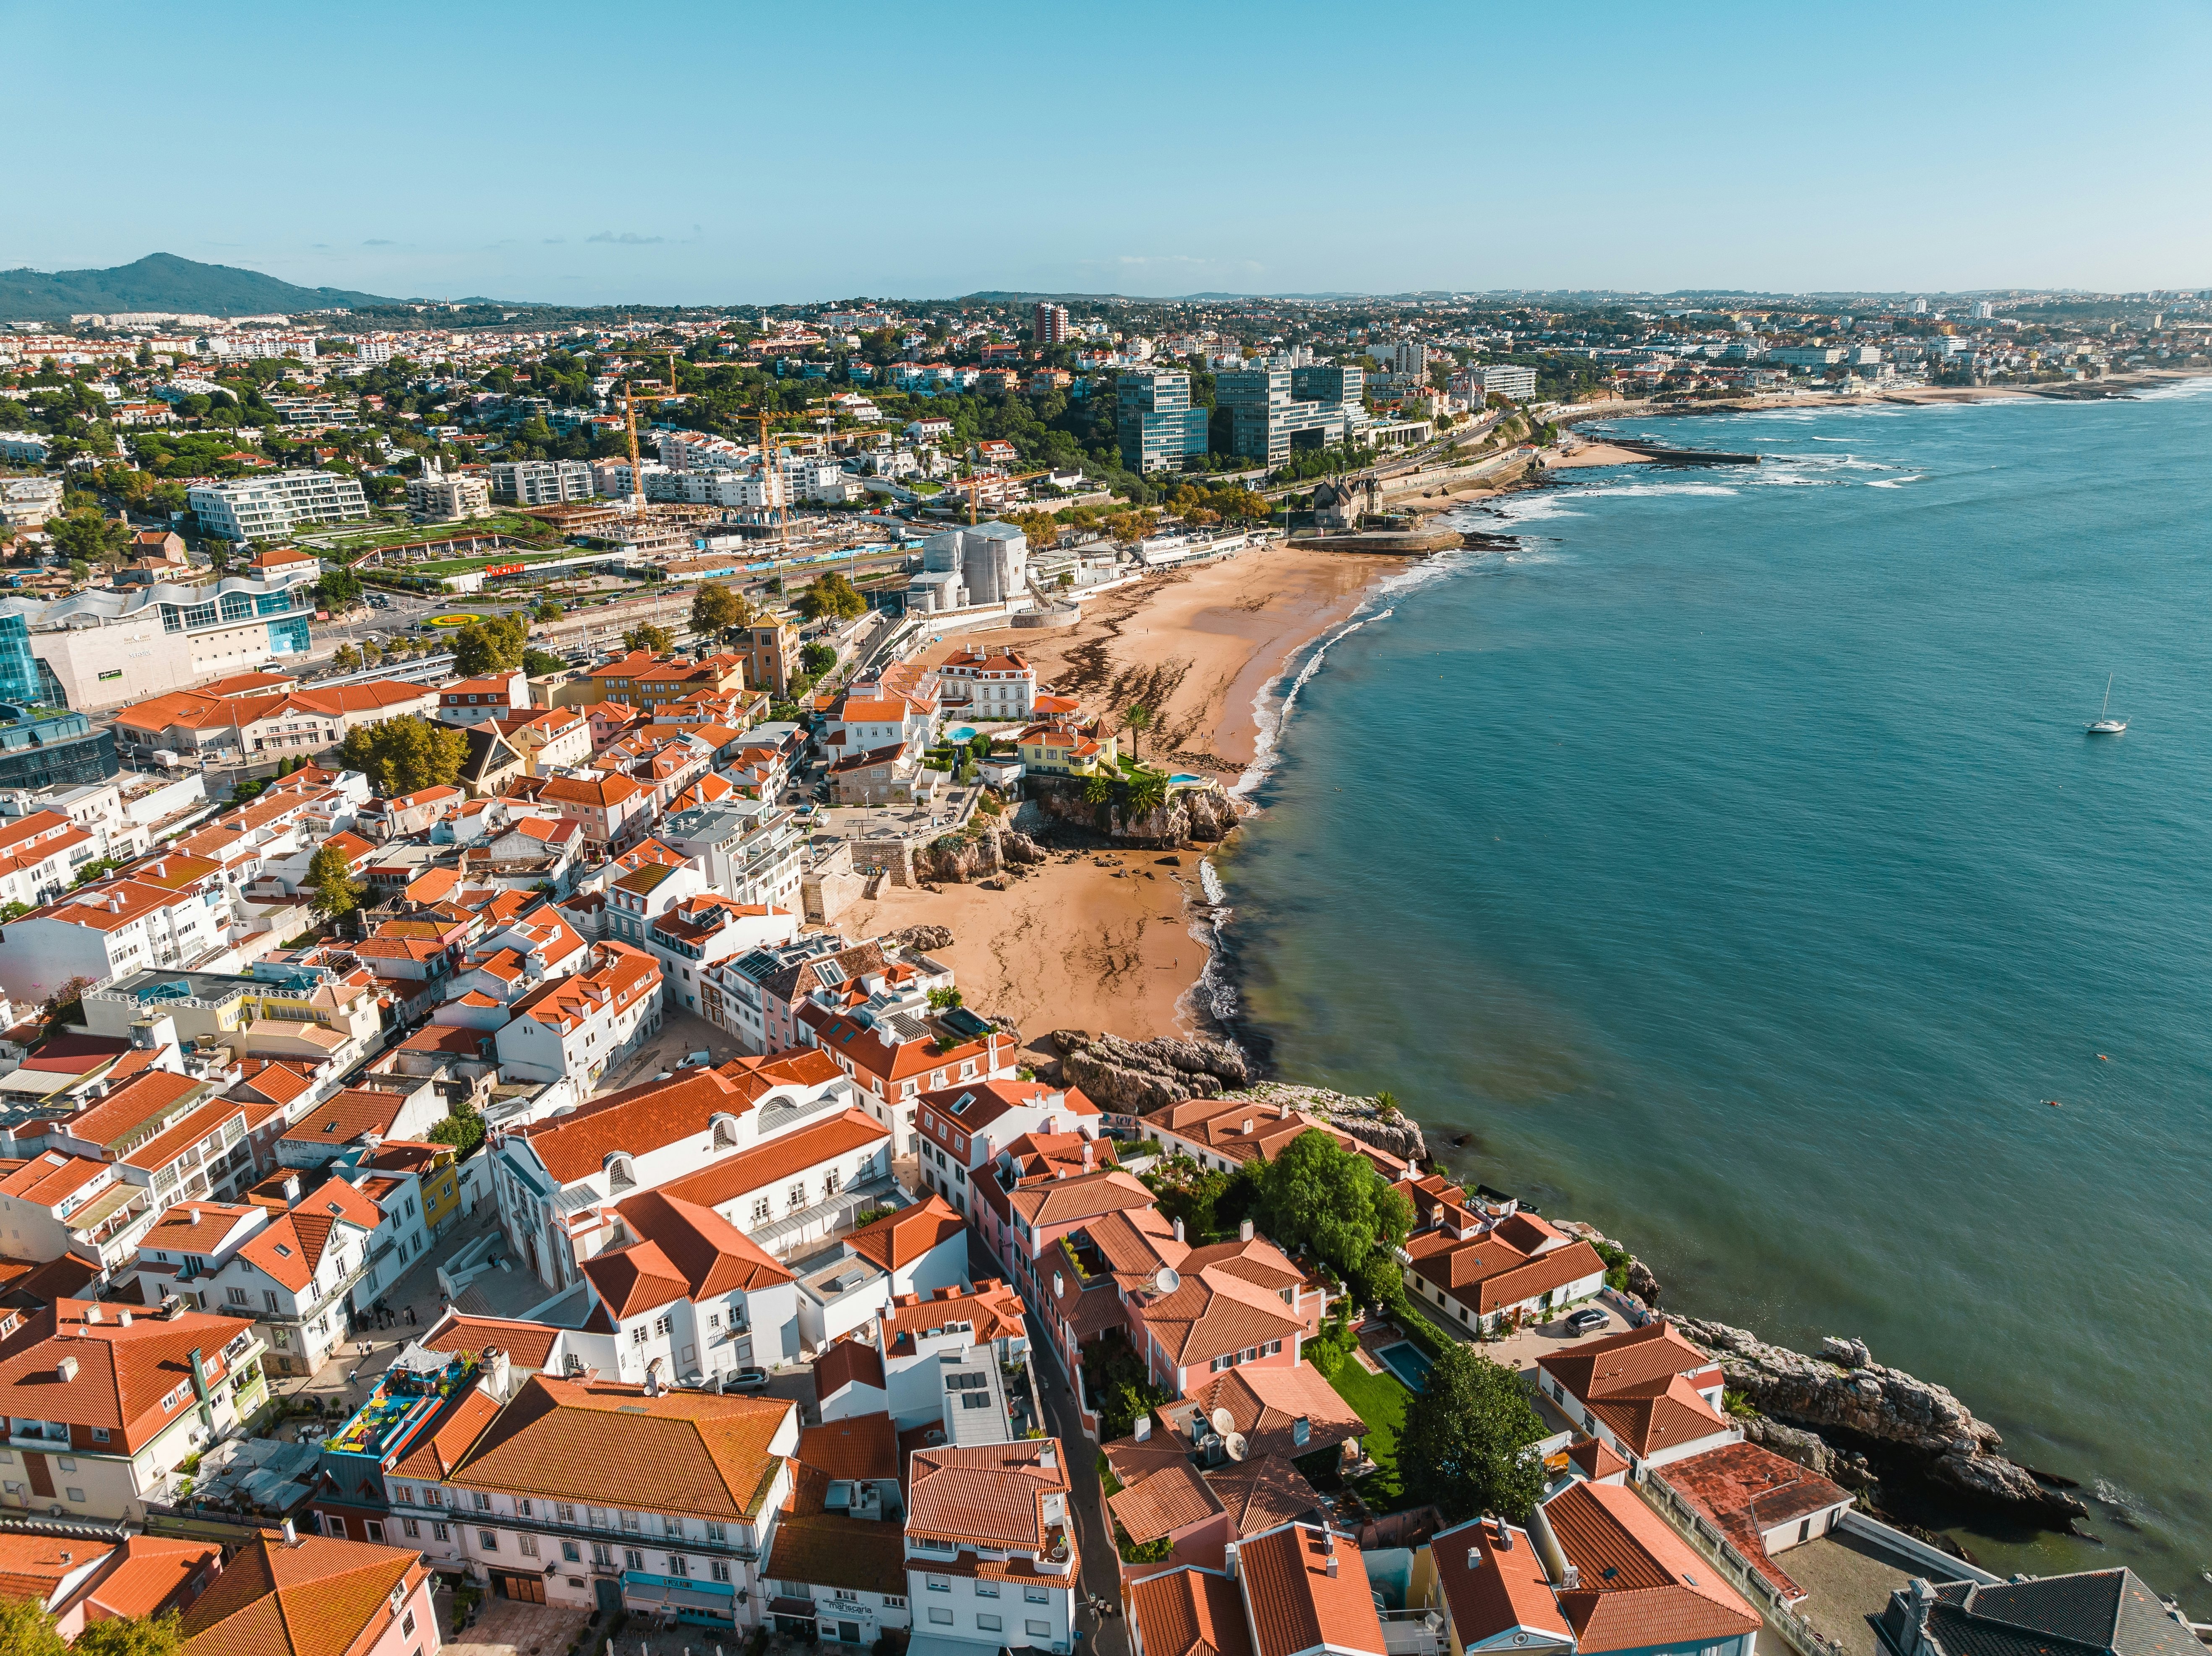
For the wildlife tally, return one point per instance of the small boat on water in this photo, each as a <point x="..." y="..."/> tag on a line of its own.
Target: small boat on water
<point x="2105" y="723"/>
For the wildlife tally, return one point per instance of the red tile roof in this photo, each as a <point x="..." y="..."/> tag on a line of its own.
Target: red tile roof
<point x="857" y="1447"/>
<point x="899" y="1238"/>
<point x="1641" y="1585"/>
<point x="1297" y="1604"/>
<point x="123" y="1371"/>
<point x="318" y="1597"/>
<point x="1190" y="1612"/>
<point x="990" y="1496"/>
<point x="1493" y="1583"/>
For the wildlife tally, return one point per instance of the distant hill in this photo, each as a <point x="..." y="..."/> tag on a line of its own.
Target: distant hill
<point x="162" y="281"/>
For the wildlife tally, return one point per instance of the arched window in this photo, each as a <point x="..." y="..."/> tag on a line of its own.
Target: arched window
<point x="622" y="1174"/>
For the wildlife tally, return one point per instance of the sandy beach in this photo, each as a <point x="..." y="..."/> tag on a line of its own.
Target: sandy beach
<point x="1104" y="940"/>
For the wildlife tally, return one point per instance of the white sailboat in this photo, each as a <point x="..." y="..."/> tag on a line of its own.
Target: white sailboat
<point x="2105" y="723"/>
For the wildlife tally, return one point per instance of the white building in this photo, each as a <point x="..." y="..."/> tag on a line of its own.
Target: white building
<point x="435" y="498"/>
<point x="989" y="684"/>
<point x="268" y="508"/>
<point x="539" y="482"/>
<point x="575" y="1026"/>
<point x="1504" y="379"/>
<point x="991" y="1546"/>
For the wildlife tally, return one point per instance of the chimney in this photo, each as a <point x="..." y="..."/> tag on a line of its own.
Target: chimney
<point x="1086" y="1156"/>
<point x="1474" y="1558"/>
<point x="1048" y="1456"/>
<point x="1140" y="1430"/>
<point x="291" y="1534"/>
<point x="66" y="1369"/>
<point x="1332" y="1564"/>
<point x="1056" y="1288"/>
<point x="195" y="1212"/>
<point x="1283" y="1111"/>
<point x="1248" y="1124"/>
<point x="1301" y="1431"/>
<point x="92" y="1314"/>
<point x="124" y="1316"/>
<point x="1244" y="1230"/>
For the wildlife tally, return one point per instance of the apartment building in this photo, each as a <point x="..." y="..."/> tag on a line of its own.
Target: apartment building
<point x="327" y="1595"/>
<point x="577" y="1025"/>
<point x="598" y="1495"/>
<point x="989" y="684"/>
<point x="435" y="498"/>
<point x="612" y="810"/>
<point x="991" y="1554"/>
<point x="539" y="482"/>
<point x="113" y="1402"/>
<point x="1503" y="380"/>
<point x="687" y="1299"/>
<point x="963" y="1129"/>
<point x="268" y="507"/>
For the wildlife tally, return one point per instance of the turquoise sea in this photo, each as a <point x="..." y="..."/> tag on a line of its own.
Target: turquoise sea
<point x="1730" y="860"/>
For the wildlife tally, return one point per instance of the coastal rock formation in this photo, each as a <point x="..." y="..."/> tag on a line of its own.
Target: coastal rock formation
<point x="957" y="858"/>
<point x="1368" y="1120"/>
<point x="1192" y="814"/>
<point x="924" y="937"/>
<point x="1845" y="1389"/>
<point x="1641" y="1282"/>
<point x="1133" y="1077"/>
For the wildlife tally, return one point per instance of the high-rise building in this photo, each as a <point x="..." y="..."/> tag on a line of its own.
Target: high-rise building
<point x="1411" y="358"/>
<point x="1273" y="410"/>
<point x="1158" y="426"/>
<point x="267" y="508"/>
<point x="1052" y="327"/>
<point x="1506" y="379"/>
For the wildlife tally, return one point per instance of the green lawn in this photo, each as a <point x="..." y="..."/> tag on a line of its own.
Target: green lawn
<point x="1379" y="1400"/>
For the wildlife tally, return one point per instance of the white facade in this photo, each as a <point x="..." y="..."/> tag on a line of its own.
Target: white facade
<point x="268" y="508"/>
<point x="539" y="482"/>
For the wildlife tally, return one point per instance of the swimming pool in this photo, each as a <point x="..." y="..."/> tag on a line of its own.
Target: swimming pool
<point x="965" y="733"/>
<point x="1408" y="1361"/>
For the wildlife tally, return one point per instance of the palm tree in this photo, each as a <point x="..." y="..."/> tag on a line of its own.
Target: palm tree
<point x="1097" y="788"/>
<point x="1148" y="791"/>
<point x="1137" y="720"/>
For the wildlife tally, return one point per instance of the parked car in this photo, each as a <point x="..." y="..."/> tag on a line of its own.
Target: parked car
<point x="1581" y="1321"/>
<point x="747" y="1379"/>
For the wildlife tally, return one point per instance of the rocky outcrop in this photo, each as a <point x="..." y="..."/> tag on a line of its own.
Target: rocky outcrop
<point x="1369" y="1120"/>
<point x="974" y="854"/>
<point x="1641" y="1282"/>
<point x="1133" y="1077"/>
<point x="1845" y="1390"/>
<point x="924" y="937"/>
<point x="1198" y="814"/>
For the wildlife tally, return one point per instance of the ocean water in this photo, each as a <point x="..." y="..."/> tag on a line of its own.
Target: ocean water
<point x="1730" y="862"/>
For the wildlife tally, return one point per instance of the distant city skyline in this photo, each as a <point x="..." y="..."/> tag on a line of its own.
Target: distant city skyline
<point x="745" y="155"/>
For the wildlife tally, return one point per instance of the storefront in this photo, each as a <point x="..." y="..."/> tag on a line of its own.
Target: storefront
<point x="680" y="1598"/>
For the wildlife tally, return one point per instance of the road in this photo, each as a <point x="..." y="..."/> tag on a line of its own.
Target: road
<point x="1102" y="1565"/>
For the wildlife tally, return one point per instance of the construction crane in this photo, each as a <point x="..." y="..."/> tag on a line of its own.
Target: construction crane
<point x="631" y="400"/>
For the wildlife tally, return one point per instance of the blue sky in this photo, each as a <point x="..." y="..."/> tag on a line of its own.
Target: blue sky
<point x="701" y="154"/>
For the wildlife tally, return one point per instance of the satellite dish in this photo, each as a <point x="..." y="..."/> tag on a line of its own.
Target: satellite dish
<point x="1166" y="1280"/>
<point x="1234" y="1442"/>
<point x="1223" y="1422"/>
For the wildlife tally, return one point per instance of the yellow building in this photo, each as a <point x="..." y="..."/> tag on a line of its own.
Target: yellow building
<point x="1069" y="753"/>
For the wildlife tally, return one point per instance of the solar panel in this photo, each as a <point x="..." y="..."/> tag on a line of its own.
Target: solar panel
<point x="831" y="972"/>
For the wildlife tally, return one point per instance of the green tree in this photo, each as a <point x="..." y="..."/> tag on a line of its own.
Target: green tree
<point x="26" y="1629"/>
<point x="463" y="1129"/>
<point x="649" y="635"/>
<point x="717" y="610"/>
<point x="1136" y="720"/>
<point x="1147" y="791"/>
<point x="330" y="877"/>
<point x="1468" y="1445"/>
<point x="815" y="659"/>
<point x="489" y="646"/>
<point x="548" y="610"/>
<point x="132" y="1635"/>
<point x="1318" y="1194"/>
<point x="85" y="537"/>
<point x="537" y="663"/>
<point x="338" y="589"/>
<point x="346" y="657"/>
<point x="832" y="598"/>
<point x="401" y="755"/>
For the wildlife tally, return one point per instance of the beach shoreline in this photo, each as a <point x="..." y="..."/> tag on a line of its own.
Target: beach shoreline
<point x="1113" y="938"/>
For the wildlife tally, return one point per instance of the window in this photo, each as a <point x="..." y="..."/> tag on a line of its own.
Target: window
<point x="637" y="1334"/>
<point x="938" y="1583"/>
<point x="601" y="1554"/>
<point x="1272" y="1348"/>
<point x="671" y="1525"/>
<point x="411" y="1529"/>
<point x="402" y="1494"/>
<point x="760" y="1211"/>
<point x="717" y="1533"/>
<point x="633" y="1559"/>
<point x="796" y="1197"/>
<point x="631" y="1524"/>
<point x="986" y="1589"/>
<point x="892" y="1601"/>
<point x="375" y="1531"/>
<point x="100" y="1434"/>
<point x="718" y="1569"/>
<point x="830" y="1182"/>
<point x="940" y="1617"/>
<point x="528" y="1542"/>
<point x="75" y="1495"/>
<point x="439" y="1533"/>
<point x="433" y="1497"/>
<point x="679" y="1564"/>
<point x="487" y="1541"/>
<point x="236" y="1295"/>
<point x="564" y="1512"/>
<point x="988" y="1623"/>
<point x="482" y="1501"/>
<point x="660" y="1324"/>
<point x="407" y="1627"/>
<point x="522" y="1508"/>
<point x="1036" y="1595"/>
<point x="1038" y="1629"/>
<point x="66" y="1463"/>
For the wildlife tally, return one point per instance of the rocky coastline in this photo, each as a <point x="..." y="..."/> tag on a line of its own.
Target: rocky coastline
<point x="1845" y="1415"/>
